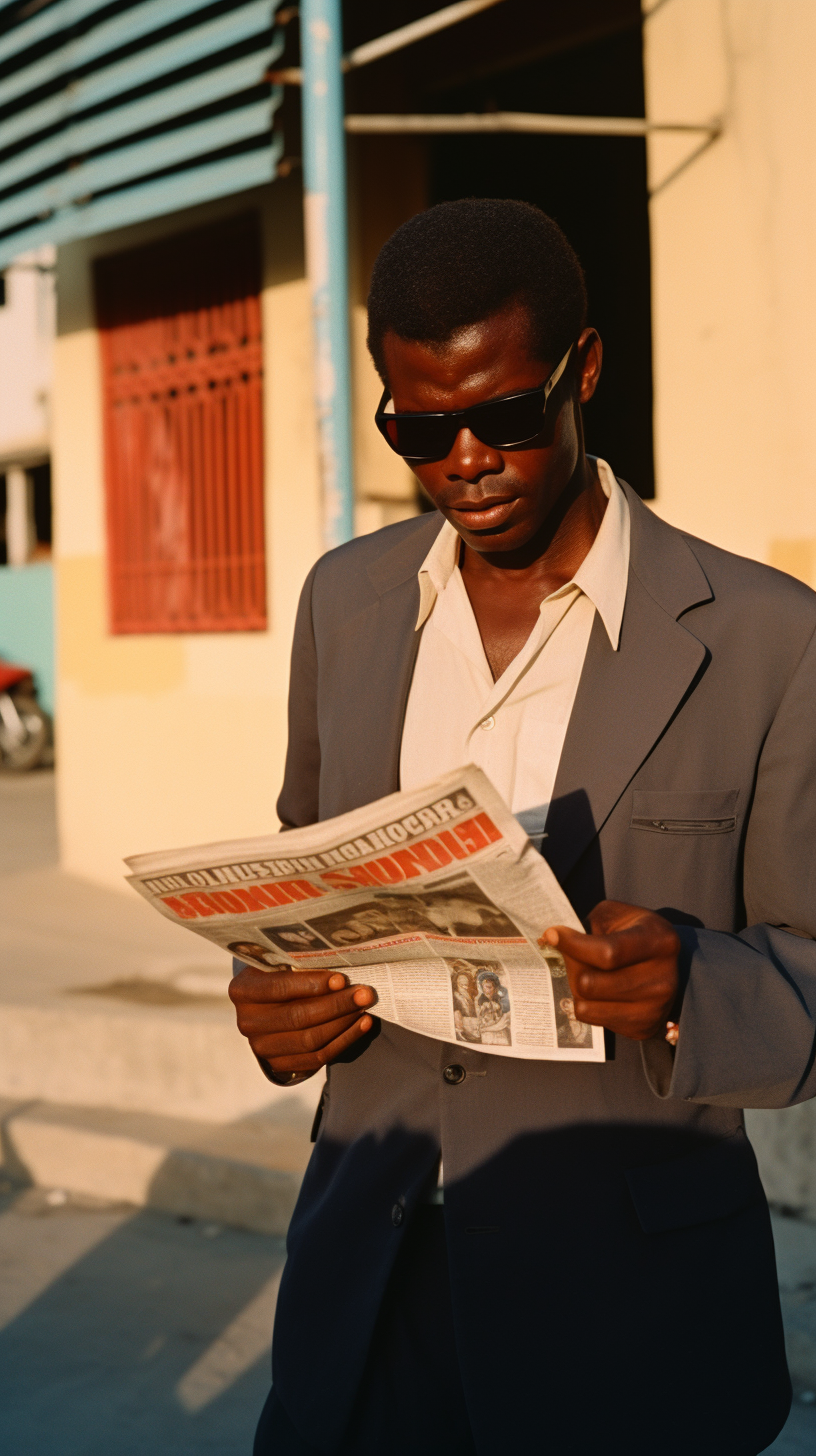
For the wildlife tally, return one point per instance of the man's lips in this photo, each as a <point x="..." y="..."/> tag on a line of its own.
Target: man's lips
<point x="483" y="515"/>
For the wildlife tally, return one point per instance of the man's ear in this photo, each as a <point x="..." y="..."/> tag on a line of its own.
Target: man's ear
<point x="589" y="352"/>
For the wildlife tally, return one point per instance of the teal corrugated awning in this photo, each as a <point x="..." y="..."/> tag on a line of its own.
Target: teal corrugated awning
<point x="113" y="113"/>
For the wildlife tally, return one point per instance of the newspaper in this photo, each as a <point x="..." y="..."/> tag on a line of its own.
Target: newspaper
<point x="436" y="898"/>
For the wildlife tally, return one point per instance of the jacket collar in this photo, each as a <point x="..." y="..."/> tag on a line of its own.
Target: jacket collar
<point x="401" y="563"/>
<point x="663" y="560"/>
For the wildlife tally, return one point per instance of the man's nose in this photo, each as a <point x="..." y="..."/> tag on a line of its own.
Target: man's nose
<point x="470" y="458"/>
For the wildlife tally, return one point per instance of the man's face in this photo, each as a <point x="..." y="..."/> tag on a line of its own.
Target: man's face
<point x="496" y="499"/>
<point x="489" y="988"/>
<point x="463" y="982"/>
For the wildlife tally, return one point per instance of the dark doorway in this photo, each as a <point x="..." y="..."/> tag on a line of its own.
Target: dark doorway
<point x="596" y="189"/>
<point x="41" y="491"/>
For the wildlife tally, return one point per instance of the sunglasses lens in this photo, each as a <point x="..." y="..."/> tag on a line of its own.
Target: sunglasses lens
<point x="422" y="438"/>
<point x="500" y="423"/>
<point x="506" y="422"/>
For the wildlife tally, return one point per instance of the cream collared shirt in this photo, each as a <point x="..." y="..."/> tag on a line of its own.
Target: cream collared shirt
<point x="513" y="728"/>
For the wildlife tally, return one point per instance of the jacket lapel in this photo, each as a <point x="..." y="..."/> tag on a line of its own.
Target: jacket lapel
<point x="626" y="699"/>
<point x="374" y="679"/>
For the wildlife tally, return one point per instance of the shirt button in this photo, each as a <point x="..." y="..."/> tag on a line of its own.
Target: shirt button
<point x="454" y="1074"/>
<point x="397" y="1214"/>
<point x="488" y="723"/>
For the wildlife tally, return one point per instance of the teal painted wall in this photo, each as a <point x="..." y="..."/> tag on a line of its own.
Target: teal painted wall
<point x="27" y="623"/>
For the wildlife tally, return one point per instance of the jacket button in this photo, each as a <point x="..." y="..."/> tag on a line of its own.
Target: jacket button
<point x="454" y="1074"/>
<point x="397" y="1214"/>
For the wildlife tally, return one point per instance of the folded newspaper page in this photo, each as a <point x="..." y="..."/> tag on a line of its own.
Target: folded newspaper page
<point x="436" y="898"/>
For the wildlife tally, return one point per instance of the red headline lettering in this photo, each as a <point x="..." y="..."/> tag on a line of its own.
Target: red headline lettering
<point x="430" y="854"/>
<point x="418" y="859"/>
<point x="197" y="904"/>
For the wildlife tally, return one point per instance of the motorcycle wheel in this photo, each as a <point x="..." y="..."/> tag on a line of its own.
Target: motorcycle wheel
<point x="27" y="752"/>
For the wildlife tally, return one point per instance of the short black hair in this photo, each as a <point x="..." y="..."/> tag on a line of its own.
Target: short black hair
<point x="462" y="261"/>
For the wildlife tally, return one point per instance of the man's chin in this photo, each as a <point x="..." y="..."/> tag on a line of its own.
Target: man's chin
<point x="509" y="537"/>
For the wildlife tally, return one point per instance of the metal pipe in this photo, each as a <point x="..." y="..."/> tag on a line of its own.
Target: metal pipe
<point x="525" y="121"/>
<point x="362" y="55"/>
<point x="324" y="167"/>
<point x="395" y="40"/>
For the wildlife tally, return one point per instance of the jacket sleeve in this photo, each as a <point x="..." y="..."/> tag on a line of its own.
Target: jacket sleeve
<point x="299" y="801"/>
<point x="748" y="1022"/>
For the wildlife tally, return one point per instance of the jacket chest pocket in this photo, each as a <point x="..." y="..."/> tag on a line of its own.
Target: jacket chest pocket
<point x="711" y="811"/>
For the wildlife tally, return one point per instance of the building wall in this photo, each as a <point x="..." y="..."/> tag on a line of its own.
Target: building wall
<point x="734" y="274"/>
<point x="171" y="739"/>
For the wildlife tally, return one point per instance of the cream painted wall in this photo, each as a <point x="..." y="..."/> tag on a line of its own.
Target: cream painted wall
<point x="166" y="740"/>
<point x="734" y="274"/>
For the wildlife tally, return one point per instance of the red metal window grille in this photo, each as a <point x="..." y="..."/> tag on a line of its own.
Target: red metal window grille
<point x="180" y="330"/>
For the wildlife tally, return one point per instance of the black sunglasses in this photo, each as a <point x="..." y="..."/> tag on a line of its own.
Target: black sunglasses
<point x="501" y="423"/>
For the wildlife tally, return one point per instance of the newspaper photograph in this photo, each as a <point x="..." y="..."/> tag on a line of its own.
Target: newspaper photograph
<point x="435" y="898"/>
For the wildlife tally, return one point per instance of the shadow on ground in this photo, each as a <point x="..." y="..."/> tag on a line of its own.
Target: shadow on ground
<point x="130" y="1332"/>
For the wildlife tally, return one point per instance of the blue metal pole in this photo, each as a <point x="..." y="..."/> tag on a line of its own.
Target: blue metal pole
<point x="324" y="166"/>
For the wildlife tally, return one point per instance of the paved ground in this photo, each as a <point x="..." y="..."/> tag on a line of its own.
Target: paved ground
<point x="77" y="937"/>
<point x="28" y="825"/>
<point x="102" y="1001"/>
<point x="126" y="1332"/>
<point x="796" y="1261"/>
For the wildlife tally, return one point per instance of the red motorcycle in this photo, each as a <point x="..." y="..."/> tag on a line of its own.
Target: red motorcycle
<point x="25" y="728"/>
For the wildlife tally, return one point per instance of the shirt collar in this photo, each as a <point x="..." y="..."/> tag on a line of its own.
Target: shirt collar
<point x="602" y="575"/>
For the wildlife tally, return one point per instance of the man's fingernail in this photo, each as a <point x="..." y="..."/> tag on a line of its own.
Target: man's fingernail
<point x="551" y="937"/>
<point x="362" y="997"/>
<point x="366" y="1023"/>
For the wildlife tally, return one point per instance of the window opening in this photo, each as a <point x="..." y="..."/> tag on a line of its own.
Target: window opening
<point x="181" y="344"/>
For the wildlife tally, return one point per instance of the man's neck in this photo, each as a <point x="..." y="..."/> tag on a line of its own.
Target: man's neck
<point x="506" y="589"/>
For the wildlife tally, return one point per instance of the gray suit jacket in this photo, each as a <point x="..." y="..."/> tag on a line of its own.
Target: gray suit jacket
<point x="622" y="1201"/>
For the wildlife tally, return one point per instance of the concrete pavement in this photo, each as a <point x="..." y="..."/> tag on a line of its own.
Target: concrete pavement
<point x="124" y="1332"/>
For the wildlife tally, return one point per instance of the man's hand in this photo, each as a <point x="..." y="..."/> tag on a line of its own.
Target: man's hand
<point x="299" y="1021"/>
<point x="624" y="975"/>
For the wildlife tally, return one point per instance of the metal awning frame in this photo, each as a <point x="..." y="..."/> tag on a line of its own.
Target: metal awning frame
<point x="524" y="121"/>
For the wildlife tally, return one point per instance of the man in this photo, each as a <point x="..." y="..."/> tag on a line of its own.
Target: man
<point x="250" y="950"/>
<point x="294" y="938"/>
<point x="649" y="698"/>
<point x="465" y="1018"/>
<point x="575" y="1032"/>
<point x="367" y="923"/>
<point x="494" y="1010"/>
